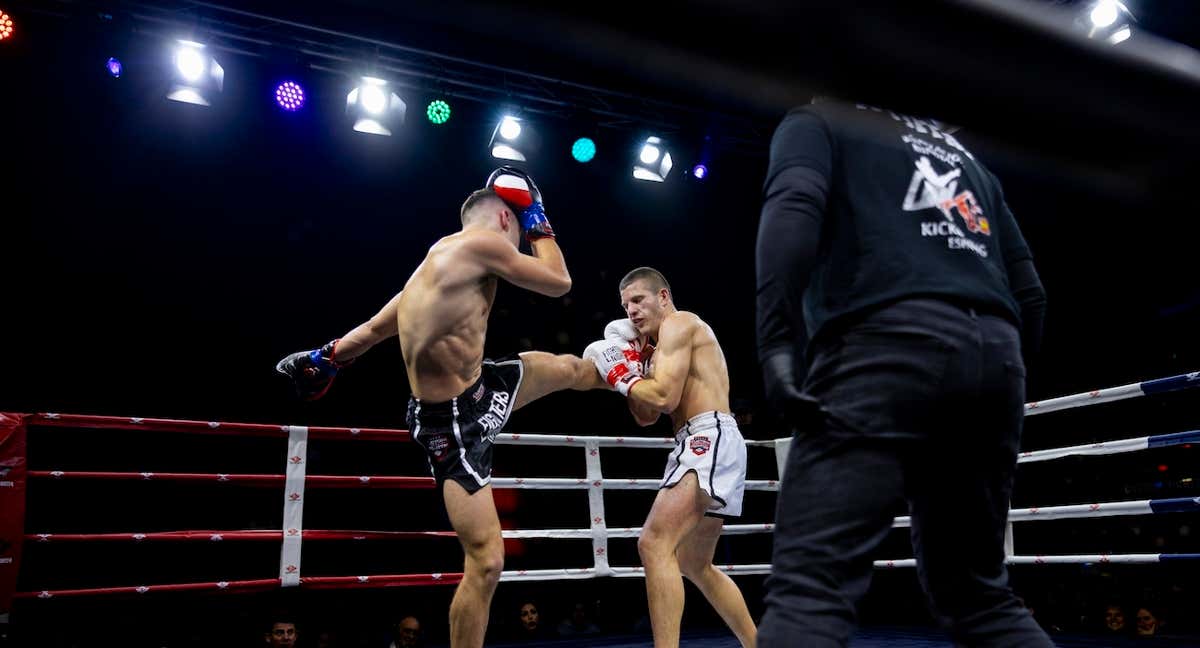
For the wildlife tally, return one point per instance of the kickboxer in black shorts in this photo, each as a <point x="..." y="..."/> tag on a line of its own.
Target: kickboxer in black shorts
<point x="459" y="400"/>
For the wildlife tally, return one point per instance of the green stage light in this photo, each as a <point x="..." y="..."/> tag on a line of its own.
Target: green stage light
<point x="438" y="111"/>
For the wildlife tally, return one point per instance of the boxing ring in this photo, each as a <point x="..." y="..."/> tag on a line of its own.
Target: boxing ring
<point x="294" y="482"/>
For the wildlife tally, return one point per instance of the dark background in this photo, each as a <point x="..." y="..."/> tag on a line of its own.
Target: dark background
<point x="159" y="258"/>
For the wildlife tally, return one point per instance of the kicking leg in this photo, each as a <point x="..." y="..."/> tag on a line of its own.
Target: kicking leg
<point x="546" y="373"/>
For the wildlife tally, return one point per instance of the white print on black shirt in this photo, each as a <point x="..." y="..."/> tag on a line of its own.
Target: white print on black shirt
<point x="930" y="127"/>
<point x="929" y="188"/>
<point x="933" y="150"/>
<point x="955" y="238"/>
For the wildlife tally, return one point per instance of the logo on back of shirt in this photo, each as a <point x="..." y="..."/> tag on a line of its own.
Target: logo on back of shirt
<point x="930" y="189"/>
<point x="968" y="208"/>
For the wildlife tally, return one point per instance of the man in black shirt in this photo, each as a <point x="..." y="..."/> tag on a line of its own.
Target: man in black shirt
<point x="895" y="297"/>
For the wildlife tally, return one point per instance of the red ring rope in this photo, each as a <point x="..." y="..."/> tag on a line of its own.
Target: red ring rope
<point x="211" y="427"/>
<point x="313" y="481"/>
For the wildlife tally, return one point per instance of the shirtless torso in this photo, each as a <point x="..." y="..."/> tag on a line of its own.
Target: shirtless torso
<point x="442" y="319"/>
<point x="706" y="383"/>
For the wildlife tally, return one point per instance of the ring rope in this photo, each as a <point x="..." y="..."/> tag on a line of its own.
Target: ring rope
<point x="1113" y="447"/>
<point x="51" y="419"/>
<point x="1095" y="397"/>
<point x="311" y="481"/>
<point x="376" y="481"/>
<point x="298" y="436"/>
<point x="1135" y="390"/>
<point x="347" y="582"/>
<point x="1031" y="514"/>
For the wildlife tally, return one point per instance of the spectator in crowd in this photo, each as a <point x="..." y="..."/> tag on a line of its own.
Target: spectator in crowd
<point x="577" y="623"/>
<point x="407" y="633"/>
<point x="529" y="623"/>
<point x="1147" y="622"/>
<point x="282" y="632"/>
<point x="1114" y="620"/>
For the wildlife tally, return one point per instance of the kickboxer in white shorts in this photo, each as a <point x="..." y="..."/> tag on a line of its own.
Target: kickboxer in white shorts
<point x="687" y="379"/>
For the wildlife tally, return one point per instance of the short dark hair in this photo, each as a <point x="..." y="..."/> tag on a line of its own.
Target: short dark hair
<point x="653" y="277"/>
<point x="277" y="619"/>
<point x="476" y="198"/>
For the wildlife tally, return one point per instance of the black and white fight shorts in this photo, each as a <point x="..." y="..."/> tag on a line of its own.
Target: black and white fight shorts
<point x="458" y="434"/>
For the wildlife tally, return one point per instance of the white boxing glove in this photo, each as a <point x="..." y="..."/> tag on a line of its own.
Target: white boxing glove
<point x="622" y="329"/>
<point x="612" y="361"/>
<point x="623" y="332"/>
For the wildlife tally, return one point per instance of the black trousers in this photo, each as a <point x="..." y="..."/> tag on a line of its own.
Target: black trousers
<point x="921" y="400"/>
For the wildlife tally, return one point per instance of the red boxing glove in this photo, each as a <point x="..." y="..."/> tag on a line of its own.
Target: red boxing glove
<point x="516" y="188"/>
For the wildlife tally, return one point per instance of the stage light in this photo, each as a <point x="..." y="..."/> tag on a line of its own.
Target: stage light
<point x="114" y="67"/>
<point x="1104" y="13"/>
<point x="650" y="154"/>
<point x="6" y="26"/>
<point x="438" y="112"/>
<point x="375" y="108"/>
<point x="290" y="96"/>
<point x="1108" y="20"/>
<point x="654" y="161"/>
<point x="374" y="100"/>
<point x="510" y="128"/>
<point x="507" y="143"/>
<point x="700" y="172"/>
<point x="200" y="77"/>
<point x="583" y="150"/>
<point x="190" y="63"/>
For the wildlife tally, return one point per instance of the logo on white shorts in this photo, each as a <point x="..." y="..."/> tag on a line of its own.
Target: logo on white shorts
<point x="699" y="445"/>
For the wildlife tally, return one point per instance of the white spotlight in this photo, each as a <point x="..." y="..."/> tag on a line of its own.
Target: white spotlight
<point x="654" y="161"/>
<point x="375" y="101"/>
<point x="510" y="128"/>
<point x="374" y="107"/>
<point x="1107" y="20"/>
<point x="1105" y="13"/>
<point x="190" y="63"/>
<point x="649" y="154"/>
<point x="513" y="140"/>
<point x="199" y="76"/>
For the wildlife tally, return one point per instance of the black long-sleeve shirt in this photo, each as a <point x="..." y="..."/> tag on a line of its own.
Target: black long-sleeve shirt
<point x="864" y="207"/>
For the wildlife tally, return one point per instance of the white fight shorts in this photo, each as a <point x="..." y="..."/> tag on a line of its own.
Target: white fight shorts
<point x="711" y="445"/>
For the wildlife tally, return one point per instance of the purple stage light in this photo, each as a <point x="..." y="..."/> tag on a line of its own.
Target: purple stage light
<point x="114" y="67"/>
<point x="290" y="96"/>
<point x="700" y="171"/>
